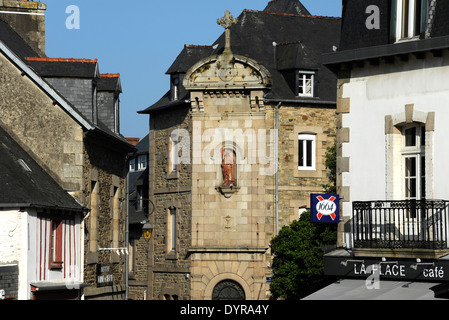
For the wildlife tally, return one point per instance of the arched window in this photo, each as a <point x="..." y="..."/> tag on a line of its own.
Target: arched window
<point x="228" y="290"/>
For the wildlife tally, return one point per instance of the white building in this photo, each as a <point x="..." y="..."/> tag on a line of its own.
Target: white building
<point x="392" y="150"/>
<point x="41" y="235"/>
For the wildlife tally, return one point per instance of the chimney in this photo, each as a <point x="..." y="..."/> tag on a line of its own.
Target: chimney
<point x="27" y="18"/>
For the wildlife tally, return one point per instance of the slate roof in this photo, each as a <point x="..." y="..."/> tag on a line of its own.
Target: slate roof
<point x="109" y="82"/>
<point x="59" y="67"/>
<point x="300" y="39"/>
<point x="190" y="55"/>
<point x="44" y="67"/>
<point x="286" y="6"/>
<point x="25" y="184"/>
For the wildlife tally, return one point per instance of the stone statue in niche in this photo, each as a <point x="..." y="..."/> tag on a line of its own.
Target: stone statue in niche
<point x="228" y="167"/>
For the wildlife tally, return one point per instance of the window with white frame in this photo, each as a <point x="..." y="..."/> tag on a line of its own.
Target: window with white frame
<point x="408" y="18"/>
<point x="413" y="155"/>
<point x="142" y="162"/>
<point x="132" y="165"/>
<point x="306" y="83"/>
<point x="306" y="151"/>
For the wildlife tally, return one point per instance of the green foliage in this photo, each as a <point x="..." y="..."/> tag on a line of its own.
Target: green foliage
<point x="298" y="264"/>
<point x="331" y="165"/>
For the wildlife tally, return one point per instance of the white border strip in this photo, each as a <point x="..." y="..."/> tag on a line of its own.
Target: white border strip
<point x="29" y="13"/>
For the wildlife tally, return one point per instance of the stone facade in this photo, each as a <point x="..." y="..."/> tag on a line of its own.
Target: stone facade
<point x="74" y="156"/>
<point x="167" y="269"/>
<point x="29" y="23"/>
<point x="223" y="232"/>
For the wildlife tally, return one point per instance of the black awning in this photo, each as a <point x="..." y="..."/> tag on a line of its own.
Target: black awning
<point x="355" y="289"/>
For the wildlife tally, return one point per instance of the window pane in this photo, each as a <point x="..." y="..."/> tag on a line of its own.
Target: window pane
<point x="410" y="137"/>
<point x="410" y="167"/>
<point x="423" y="136"/>
<point x="423" y="177"/>
<point x="301" y="153"/>
<point x="309" y="153"/>
<point x="393" y="21"/>
<point x="405" y="18"/>
<point x="173" y="229"/>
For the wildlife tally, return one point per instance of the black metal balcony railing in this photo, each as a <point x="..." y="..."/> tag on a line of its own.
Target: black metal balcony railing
<point x="411" y="224"/>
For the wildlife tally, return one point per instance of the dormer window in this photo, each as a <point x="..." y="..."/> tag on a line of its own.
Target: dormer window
<point x="408" y="18"/>
<point x="175" y="87"/>
<point x="306" y="81"/>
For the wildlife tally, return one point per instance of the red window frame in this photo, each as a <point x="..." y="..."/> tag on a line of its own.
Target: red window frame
<point x="55" y="256"/>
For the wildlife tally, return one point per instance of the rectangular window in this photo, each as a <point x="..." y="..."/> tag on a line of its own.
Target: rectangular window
<point x="408" y="18"/>
<point x="306" y="152"/>
<point x="175" y="87"/>
<point x="56" y="244"/>
<point x="131" y="257"/>
<point x="142" y="162"/>
<point x="132" y="165"/>
<point x="306" y="83"/>
<point x="171" y="232"/>
<point x="139" y="200"/>
<point x="174" y="152"/>
<point x="413" y="153"/>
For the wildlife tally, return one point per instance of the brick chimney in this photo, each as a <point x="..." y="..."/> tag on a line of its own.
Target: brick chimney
<point x="27" y="18"/>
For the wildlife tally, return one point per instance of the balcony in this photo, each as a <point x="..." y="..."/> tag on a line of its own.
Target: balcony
<point x="401" y="225"/>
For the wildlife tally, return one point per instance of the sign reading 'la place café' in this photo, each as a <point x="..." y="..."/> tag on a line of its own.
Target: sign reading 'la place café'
<point x="391" y="269"/>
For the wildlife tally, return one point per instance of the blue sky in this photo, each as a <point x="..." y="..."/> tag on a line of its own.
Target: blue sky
<point x="141" y="39"/>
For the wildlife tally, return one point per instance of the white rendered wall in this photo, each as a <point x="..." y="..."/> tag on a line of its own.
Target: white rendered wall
<point x="378" y="91"/>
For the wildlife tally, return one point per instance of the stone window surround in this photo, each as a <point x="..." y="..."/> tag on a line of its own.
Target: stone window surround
<point x="171" y="173"/>
<point x="172" y="204"/>
<point x="92" y="256"/>
<point x="393" y="136"/>
<point x="320" y="138"/>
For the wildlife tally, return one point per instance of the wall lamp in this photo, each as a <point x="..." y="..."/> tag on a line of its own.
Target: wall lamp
<point x="345" y="263"/>
<point x="147" y="229"/>
<point x="419" y="263"/>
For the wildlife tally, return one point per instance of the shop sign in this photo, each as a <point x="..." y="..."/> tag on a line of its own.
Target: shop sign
<point x="386" y="269"/>
<point x="104" y="277"/>
<point x="325" y="208"/>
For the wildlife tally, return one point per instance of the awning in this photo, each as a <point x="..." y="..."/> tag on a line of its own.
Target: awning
<point x="350" y="289"/>
<point x="55" y="286"/>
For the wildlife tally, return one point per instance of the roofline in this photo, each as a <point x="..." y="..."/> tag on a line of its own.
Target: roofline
<point x="292" y="14"/>
<point x="46" y="59"/>
<point x="175" y="103"/>
<point x="42" y="206"/>
<point x="40" y="82"/>
<point x="332" y="60"/>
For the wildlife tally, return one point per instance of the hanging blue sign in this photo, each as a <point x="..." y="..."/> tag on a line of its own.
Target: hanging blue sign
<point x="325" y="208"/>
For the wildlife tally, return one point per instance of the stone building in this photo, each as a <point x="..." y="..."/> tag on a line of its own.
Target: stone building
<point x="139" y="209"/>
<point x="51" y="109"/>
<point x="391" y="151"/>
<point x="256" y="100"/>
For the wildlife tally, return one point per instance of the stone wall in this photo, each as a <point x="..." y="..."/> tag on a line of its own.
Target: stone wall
<point x="31" y="27"/>
<point x="168" y="270"/>
<point x="294" y="185"/>
<point x="41" y="128"/>
<point x="107" y="169"/>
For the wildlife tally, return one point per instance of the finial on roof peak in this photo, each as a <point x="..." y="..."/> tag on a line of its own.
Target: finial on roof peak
<point x="226" y="22"/>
